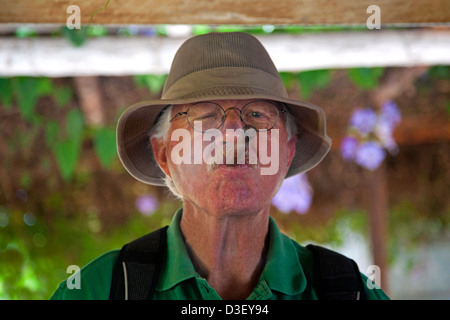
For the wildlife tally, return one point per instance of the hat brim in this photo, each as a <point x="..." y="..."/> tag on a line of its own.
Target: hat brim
<point x="136" y="153"/>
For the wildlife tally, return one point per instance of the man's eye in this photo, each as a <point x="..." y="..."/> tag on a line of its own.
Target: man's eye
<point x="255" y="114"/>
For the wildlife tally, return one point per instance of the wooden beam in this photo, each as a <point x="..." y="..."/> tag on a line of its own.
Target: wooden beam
<point x="304" y="12"/>
<point x="110" y="56"/>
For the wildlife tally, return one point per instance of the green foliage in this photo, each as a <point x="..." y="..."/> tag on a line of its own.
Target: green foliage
<point x="440" y="72"/>
<point x="288" y="79"/>
<point x="154" y="83"/>
<point x="75" y="36"/>
<point x="25" y="32"/>
<point x="51" y="132"/>
<point x="63" y="96"/>
<point x="365" y="78"/>
<point x="27" y="96"/>
<point x="78" y="37"/>
<point x="229" y="28"/>
<point x="67" y="150"/>
<point x="311" y="80"/>
<point x="308" y="81"/>
<point x="105" y="145"/>
<point x="96" y="31"/>
<point x="35" y="258"/>
<point x="6" y="92"/>
<point x="44" y="87"/>
<point x="333" y="232"/>
<point x="201" y="29"/>
<point x="74" y="125"/>
<point x="63" y="138"/>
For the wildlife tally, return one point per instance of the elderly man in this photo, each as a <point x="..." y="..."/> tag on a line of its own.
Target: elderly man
<point x="223" y="137"/>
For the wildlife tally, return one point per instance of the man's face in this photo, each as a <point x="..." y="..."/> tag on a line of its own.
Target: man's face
<point x="226" y="188"/>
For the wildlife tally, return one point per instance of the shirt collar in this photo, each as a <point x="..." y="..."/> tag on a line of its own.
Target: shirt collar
<point x="178" y="266"/>
<point x="283" y="271"/>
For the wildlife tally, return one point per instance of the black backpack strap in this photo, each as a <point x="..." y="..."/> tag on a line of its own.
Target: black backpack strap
<point x="336" y="277"/>
<point x="137" y="267"/>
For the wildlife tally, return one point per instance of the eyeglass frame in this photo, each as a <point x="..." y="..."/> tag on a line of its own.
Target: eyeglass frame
<point x="283" y="111"/>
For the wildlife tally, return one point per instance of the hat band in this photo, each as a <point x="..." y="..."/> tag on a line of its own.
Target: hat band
<point x="226" y="77"/>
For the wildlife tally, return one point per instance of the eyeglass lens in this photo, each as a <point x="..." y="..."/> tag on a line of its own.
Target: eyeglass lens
<point x="260" y="115"/>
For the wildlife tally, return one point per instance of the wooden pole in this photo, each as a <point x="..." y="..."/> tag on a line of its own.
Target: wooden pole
<point x="378" y="219"/>
<point x="90" y="99"/>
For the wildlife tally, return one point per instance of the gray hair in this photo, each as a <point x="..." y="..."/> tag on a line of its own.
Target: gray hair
<point x="161" y="129"/>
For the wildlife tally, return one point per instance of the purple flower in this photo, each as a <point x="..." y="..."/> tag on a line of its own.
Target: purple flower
<point x="295" y="194"/>
<point x="390" y="114"/>
<point x="348" y="148"/>
<point x="383" y="131"/>
<point x="148" y="32"/>
<point x="363" y="120"/>
<point x="146" y="204"/>
<point x="370" y="155"/>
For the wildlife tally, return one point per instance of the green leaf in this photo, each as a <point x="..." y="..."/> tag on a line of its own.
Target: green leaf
<point x="97" y="31"/>
<point x="74" y="124"/>
<point x="51" y="132"/>
<point x="6" y="92"/>
<point x="63" y="96"/>
<point x="201" y="29"/>
<point x="44" y="87"/>
<point x="440" y="72"/>
<point x="67" y="153"/>
<point x="75" y="36"/>
<point x="105" y="145"/>
<point x="311" y="80"/>
<point x="154" y="83"/>
<point x="161" y="30"/>
<point x="365" y="78"/>
<point x="230" y="28"/>
<point x="140" y="80"/>
<point x="27" y="94"/>
<point x="287" y="78"/>
<point x="25" y="32"/>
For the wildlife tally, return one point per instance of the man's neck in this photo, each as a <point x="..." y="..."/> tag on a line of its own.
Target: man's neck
<point x="229" y="252"/>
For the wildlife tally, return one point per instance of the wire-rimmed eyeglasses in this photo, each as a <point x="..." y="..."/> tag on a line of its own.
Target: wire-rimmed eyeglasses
<point x="260" y="115"/>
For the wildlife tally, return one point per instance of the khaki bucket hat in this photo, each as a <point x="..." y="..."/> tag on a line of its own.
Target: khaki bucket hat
<point x="218" y="66"/>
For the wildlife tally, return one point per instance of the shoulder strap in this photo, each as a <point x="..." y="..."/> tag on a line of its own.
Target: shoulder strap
<point x="336" y="277"/>
<point x="137" y="267"/>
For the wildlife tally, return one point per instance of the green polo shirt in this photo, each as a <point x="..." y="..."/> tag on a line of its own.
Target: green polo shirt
<point x="287" y="274"/>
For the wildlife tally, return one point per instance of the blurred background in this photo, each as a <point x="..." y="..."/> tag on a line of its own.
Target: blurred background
<point x="381" y="196"/>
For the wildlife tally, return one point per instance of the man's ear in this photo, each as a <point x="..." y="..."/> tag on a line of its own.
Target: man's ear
<point x="159" y="150"/>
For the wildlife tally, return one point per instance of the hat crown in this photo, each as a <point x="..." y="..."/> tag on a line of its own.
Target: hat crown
<point x="219" y="50"/>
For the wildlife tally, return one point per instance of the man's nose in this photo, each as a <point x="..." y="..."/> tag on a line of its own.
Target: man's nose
<point x="233" y="119"/>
